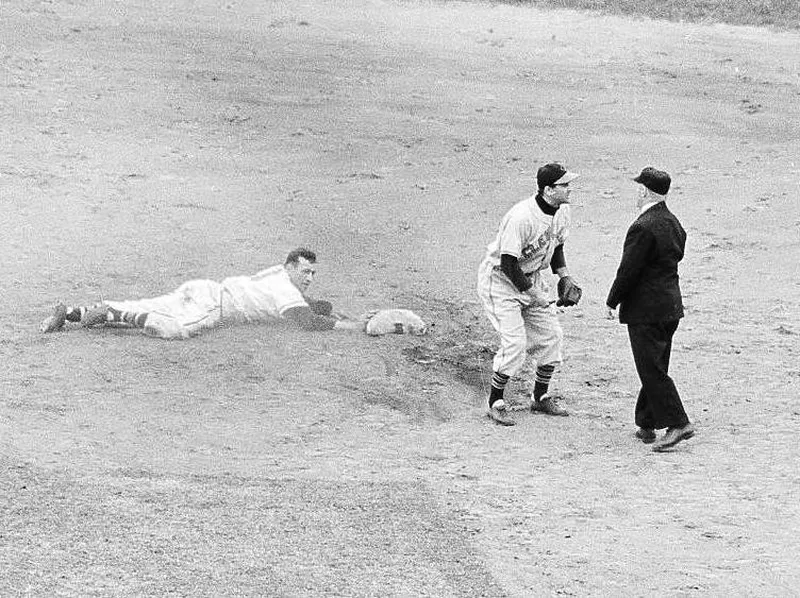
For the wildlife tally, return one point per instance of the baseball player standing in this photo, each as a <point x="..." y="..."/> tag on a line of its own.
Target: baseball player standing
<point x="514" y="288"/>
<point x="275" y="293"/>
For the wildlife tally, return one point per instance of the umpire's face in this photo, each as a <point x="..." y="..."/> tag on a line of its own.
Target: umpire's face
<point x="301" y="273"/>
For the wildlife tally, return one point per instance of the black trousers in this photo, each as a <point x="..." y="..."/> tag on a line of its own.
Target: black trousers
<point x="659" y="404"/>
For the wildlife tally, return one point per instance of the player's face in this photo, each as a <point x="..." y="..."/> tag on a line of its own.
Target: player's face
<point x="301" y="274"/>
<point x="559" y="194"/>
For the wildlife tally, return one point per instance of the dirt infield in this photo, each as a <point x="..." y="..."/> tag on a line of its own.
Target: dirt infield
<point x="147" y="144"/>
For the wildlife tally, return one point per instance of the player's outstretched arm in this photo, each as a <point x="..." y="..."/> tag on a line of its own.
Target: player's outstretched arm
<point x="344" y="322"/>
<point x="306" y="319"/>
<point x="320" y="307"/>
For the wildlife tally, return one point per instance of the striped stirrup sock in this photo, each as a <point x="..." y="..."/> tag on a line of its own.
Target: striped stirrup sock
<point x="127" y="317"/>
<point x="499" y="382"/>
<point x="74" y="314"/>
<point x="544" y="373"/>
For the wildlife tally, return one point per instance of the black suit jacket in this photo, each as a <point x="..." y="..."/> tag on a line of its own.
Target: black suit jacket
<point x="646" y="286"/>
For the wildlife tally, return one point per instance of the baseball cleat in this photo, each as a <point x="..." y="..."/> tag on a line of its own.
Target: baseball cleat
<point x="548" y="405"/>
<point x="673" y="437"/>
<point x="56" y="320"/>
<point x="646" y="435"/>
<point x="498" y="412"/>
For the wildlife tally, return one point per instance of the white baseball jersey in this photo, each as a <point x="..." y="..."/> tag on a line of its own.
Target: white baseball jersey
<point x="526" y="330"/>
<point x="530" y="235"/>
<point x="202" y="304"/>
<point x="263" y="296"/>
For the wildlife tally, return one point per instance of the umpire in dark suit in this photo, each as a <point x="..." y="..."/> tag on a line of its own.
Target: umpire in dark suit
<point x="647" y="290"/>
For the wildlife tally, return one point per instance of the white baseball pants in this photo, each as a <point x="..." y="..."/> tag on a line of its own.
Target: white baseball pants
<point x="524" y="329"/>
<point x="192" y="307"/>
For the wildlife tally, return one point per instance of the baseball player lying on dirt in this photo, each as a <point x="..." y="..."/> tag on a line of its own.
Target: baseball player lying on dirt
<point x="275" y="293"/>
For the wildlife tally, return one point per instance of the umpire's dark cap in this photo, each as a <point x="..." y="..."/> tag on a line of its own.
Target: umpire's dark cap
<point x="554" y="174"/>
<point x="657" y="181"/>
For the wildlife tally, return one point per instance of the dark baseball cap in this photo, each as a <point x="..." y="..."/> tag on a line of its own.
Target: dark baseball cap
<point x="554" y="174"/>
<point x="657" y="181"/>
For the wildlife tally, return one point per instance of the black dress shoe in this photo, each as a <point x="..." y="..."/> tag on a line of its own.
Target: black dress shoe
<point x="646" y="435"/>
<point x="673" y="437"/>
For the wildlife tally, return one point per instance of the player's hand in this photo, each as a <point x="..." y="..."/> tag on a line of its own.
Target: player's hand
<point x="349" y="325"/>
<point x="367" y="316"/>
<point x="611" y="313"/>
<point x="363" y="318"/>
<point x="360" y="323"/>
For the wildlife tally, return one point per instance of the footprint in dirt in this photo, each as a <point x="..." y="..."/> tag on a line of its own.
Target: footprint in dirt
<point x="469" y="369"/>
<point x="419" y="355"/>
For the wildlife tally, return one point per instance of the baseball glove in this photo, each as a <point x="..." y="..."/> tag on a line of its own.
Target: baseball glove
<point x="568" y="292"/>
<point x="395" y="321"/>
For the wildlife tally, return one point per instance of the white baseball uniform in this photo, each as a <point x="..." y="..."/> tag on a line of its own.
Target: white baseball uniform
<point x="525" y="327"/>
<point x="202" y="304"/>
